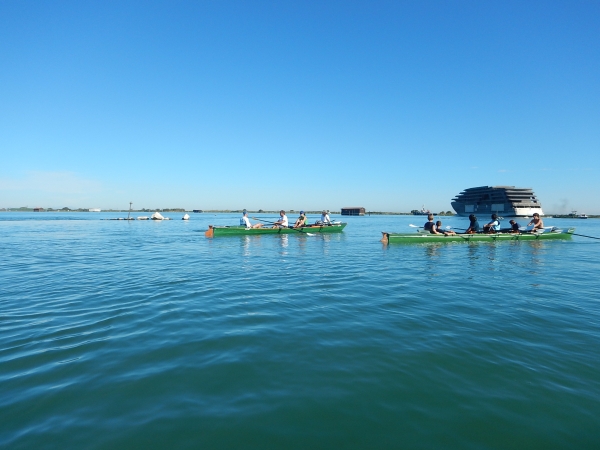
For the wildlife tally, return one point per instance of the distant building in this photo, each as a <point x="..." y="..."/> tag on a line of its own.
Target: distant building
<point x="353" y="211"/>
<point x="94" y="209"/>
<point x="197" y="210"/>
<point x="38" y="209"/>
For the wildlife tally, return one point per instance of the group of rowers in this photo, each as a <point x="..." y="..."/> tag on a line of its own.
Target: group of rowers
<point x="283" y="222"/>
<point x="492" y="227"/>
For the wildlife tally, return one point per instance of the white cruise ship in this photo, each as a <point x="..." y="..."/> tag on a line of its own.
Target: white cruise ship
<point x="506" y="201"/>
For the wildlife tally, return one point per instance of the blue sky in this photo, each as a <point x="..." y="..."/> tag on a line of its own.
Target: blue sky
<point x="297" y="105"/>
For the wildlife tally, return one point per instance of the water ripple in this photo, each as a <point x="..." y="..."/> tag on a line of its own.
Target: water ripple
<point x="120" y="335"/>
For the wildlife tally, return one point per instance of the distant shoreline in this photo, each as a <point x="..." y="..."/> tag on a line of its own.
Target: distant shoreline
<point x="239" y="211"/>
<point x="204" y="211"/>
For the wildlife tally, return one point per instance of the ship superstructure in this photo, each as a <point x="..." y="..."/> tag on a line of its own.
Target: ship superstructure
<point x="506" y="201"/>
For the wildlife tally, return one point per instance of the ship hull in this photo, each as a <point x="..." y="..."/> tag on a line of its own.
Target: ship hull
<point x="505" y="201"/>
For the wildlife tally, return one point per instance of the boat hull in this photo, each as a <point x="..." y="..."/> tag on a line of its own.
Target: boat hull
<point x="411" y="238"/>
<point x="215" y="231"/>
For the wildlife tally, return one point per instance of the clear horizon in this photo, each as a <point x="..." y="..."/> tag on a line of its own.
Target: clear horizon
<point x="229" y="105"/>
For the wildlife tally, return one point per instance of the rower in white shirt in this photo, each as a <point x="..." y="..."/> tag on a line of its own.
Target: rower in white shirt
<point x="325" y="217"/>
<point x="282" y="222"/>
<point x="245" y="222"/>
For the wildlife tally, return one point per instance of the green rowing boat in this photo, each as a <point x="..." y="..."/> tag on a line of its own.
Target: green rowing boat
<point x="243" y="231"/>
<point x="421" y="236"/>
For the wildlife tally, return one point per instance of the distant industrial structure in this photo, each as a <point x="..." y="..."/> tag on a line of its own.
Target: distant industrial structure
<point x="353" y="211"/>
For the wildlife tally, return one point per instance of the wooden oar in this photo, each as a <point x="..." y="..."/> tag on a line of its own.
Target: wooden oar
<point x="299" y="230"/>
<point x="262" y="220"/>
<point x="448" y="227"/>
<point x="583" y="235"/>
<point x="545" y="228"/>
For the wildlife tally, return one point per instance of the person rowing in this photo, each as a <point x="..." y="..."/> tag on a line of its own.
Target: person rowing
<point x="324" y="220"/>
<point x="537" y="222"/>
<point x="301" y="221"/>
<point x="435" y="228"/>
<point x="473" y="225"/>
<point x="245" y="222"/>
<point x="282" y="222"/>
<point x="514" y="226"/>
<point x="493" y="226"/>
<point x="430" y="224"/>
<point x="438" y="229"/>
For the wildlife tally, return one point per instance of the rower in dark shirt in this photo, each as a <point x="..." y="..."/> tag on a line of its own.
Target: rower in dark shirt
<point x="430" y="224"/>
<point x="439" y="230"/>
<point x="473" y="225"/>
<point x="514" y="226"/>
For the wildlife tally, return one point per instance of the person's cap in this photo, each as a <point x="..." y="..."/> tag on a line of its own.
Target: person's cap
<point x="324" y="212"/>
<point x="301" y="212"/>
<point x="244" y="211"/>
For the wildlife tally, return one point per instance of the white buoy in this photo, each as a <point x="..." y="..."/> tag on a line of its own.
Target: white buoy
<point x="157" y="216"/>
<point x="186" y="217"/>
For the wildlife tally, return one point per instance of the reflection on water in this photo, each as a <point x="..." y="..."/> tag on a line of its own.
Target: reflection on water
<point x="433" y="250"/>
<point x="491" y="250"/>
<point x="302" y="243"/>
<point x="536" y="258"/>
<point x="472" y="257"/>
<point x="288" y="243"/>
<point x="284" y="243"/>
<point x="246" y="245"/>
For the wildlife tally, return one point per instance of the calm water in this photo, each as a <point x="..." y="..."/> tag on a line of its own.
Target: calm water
<point x="148" y="335"/>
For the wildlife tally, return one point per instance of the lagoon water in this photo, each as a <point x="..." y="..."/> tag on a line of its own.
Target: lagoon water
<point x="120" y="335"/>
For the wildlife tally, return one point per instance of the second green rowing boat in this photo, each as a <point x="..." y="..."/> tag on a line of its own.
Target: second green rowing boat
<point x="419" y="237"/>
